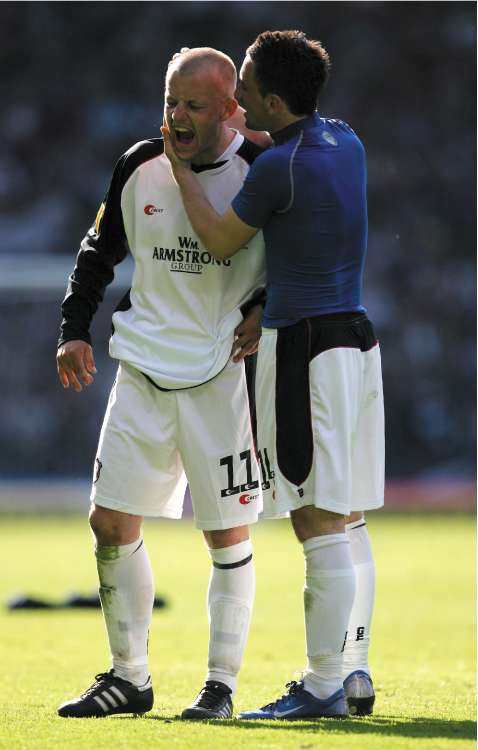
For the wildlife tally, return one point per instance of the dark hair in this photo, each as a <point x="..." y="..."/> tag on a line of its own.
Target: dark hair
<point x="290" y="65"/>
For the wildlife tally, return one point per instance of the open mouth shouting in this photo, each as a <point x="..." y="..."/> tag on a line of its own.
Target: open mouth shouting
<point x="183" y="136"/>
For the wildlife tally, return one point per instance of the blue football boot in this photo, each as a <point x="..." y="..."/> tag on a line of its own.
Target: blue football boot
<point x="298" y="703"/>
<point x="358" y="688"/>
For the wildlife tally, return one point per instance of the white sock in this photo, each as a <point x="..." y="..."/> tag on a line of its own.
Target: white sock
<point x="328" y="597"/>
<point x="358" y="637"/>
<point x="127" y="596"/>
<point x="230" y="599"/>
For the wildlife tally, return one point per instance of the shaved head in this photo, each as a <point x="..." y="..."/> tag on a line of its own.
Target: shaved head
<point x="209" y="61"/>
<point x="199" y="98"/>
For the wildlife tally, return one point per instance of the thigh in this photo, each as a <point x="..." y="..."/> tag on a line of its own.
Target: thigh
<point x="265" y="399"/>
<point x="336" y="384"/>
<point x="284" y="420"/>
<point x="310" y="521"/>
<point x="138" y="468"/>
<point x="368" y="448"/>
<point x="217" y="449"/>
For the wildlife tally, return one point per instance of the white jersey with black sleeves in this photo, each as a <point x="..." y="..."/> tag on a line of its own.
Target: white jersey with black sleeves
<point x="176" y="325"/>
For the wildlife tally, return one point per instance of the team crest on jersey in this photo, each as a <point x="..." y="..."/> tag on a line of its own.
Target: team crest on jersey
<point x="329" y="138"/>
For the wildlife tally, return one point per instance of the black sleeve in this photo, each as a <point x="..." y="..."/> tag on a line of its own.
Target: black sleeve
<point x="104" y="246"/>
<point x="249" y="151"/>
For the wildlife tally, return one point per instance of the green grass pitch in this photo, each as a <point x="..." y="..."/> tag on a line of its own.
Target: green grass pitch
<point x="422" y="653"/>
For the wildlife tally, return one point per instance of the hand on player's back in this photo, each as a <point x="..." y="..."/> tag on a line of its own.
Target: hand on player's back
<point x="75" y="362"/>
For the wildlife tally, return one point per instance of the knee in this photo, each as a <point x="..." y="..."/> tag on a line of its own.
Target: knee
<point x="355" y="516"/>
<point x="226" y="537"/>
<point x="310" y="521"/>
<point x="104" y="526"/>
<point x="112" y="527"/>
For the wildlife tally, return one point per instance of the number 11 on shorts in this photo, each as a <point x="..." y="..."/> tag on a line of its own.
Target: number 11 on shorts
<point x="235" y="489"/>
<point x="232" y="488"/>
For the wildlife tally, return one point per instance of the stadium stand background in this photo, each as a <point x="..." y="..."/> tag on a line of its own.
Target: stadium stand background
<point x="84" y="81"/>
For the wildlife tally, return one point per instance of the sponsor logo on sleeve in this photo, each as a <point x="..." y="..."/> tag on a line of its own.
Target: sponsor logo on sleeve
<point x="151" y="209"/>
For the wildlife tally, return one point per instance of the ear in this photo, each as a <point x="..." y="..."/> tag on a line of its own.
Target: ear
<point x="274" y="104"/>
<point x="230" y="108"/>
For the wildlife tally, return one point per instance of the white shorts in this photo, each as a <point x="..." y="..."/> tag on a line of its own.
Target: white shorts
<point x="151" y="440"/>
<point x="320" y="415"/>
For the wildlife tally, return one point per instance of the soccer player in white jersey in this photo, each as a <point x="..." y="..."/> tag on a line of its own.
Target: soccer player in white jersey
<point x="179" y="407"/>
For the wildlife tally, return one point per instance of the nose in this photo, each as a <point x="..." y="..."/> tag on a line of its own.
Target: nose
<point x="177" y="112"/>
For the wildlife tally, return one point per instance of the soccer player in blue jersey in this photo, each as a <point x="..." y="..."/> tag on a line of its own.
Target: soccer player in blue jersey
<point x="319" y="384"/>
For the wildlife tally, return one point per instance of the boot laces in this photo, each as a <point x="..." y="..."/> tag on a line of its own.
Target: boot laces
<point x="100" y="679"/>
<point x="209" y="695"/>
<point x="293" y="688"/>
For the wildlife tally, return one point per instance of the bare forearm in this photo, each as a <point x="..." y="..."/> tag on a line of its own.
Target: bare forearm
<point x="205" y="220"/>
<point x="222" y="234"/>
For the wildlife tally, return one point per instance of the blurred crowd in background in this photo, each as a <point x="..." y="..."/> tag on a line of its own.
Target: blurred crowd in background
<point x="82" y="82"/>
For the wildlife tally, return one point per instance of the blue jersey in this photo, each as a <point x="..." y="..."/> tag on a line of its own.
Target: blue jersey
<point x="308" y="194"/>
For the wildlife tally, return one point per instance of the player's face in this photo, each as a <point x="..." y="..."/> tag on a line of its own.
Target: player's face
<point x="194" y="111"/>
<point x="250" y="98"/>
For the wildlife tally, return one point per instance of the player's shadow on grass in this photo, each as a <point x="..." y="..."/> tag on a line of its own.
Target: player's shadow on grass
<point x="391" y="726"/>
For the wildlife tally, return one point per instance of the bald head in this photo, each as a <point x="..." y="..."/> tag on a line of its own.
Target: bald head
<point x="208" y="61"/>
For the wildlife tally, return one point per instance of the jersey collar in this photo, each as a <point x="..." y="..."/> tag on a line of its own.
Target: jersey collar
<point x="197" y="168"/>
<point x="234" y="145"/>
<point x="281" y="136"/>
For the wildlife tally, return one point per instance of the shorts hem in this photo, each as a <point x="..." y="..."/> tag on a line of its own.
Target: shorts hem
<point x="224" y="524"/>
<point x="372" y="505"/>
<point x="275" y="516"/>
<point x="134" y="510"/>
<point x="331" y="506"/>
